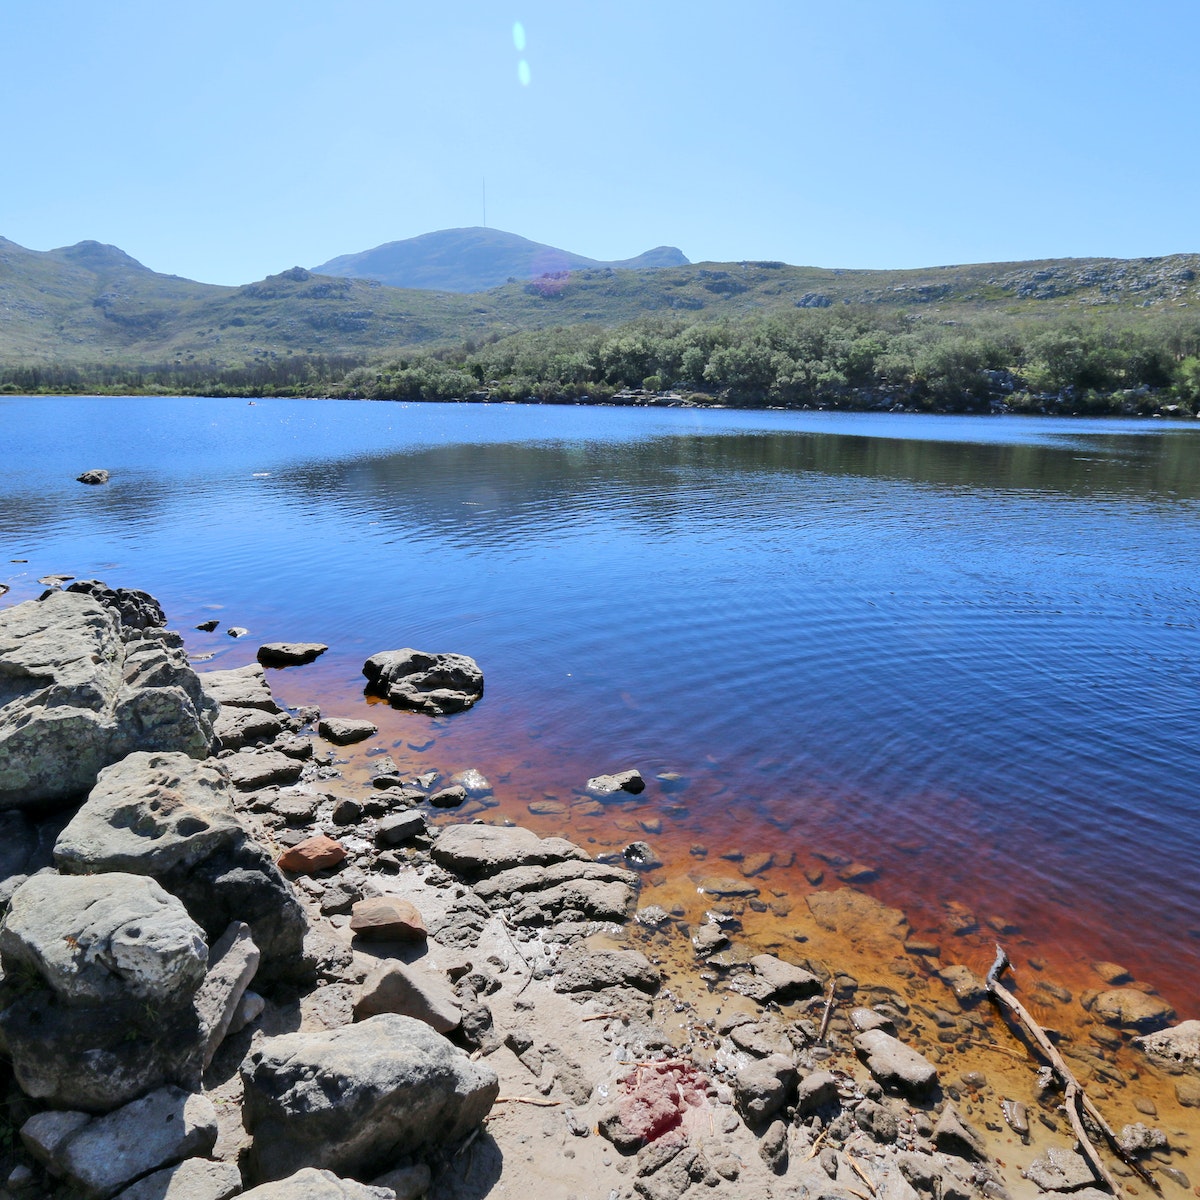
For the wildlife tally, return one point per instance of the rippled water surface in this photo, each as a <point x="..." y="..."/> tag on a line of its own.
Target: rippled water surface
<point x="961" y="651"/>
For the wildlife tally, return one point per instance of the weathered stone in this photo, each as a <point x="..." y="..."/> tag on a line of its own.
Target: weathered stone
<point x="397" y="828"/>
<point x="867" y="1018"/>
<point x="387" y="919"/>
<point x="232" y="962"/>
<point x="287" y="654"/>
<point x="237" y="728"/>
<point x="344" y="731"/>
<point x="94" y="476"/>
<point x="764" y="1088"/>
<point x="450" y="797"/>
<point x="816" y="1091"/>
<point x="1179" y="1044"/>
<point x="393" y="987"/>
<point x="896" y="1065"/>
<point x="311" y="855"/>
<point x="725" y="886"/>
<point x="1132" y="1009"/>
<point x="431" y="683"/>
<point x="100" y="938"/>
<point x="621" y="781"/>
<point x="1059" y="1170"/>
<point x="45" y="1133"/>
<point x="782" y="981"/>
<point x="358" y="1098"/>
<point x="243" y="687"/>
<point x="582" y="971"/>
<point x="79" y="691"/>
<point x="311" y="1184"/>
<point x="149" y="814"/>
<point x="169" y="817"/>
<point x="952" y="1135"/>
<point x="192" y="1179"/>
<point x="250" y="770"/>
<point x="709" y="938"/>
<point x="539" y="895"/>
<point x="110" y="1152"/>
<point x="483" y="850"/>
<point x="108" y="967"/>
<point x="1112" y="973"/>
<point x="137" y="610"/>
<point x="1141" y="1138"/>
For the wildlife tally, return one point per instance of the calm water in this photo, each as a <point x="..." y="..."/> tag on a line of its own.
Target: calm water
<point x="964" y="651"/>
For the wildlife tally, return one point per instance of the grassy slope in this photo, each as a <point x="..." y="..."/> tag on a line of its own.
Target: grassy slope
<point x="93" y="304"/>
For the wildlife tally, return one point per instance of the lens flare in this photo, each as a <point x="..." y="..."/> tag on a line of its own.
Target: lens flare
<point x="519" y="37"/>
<point x="523" y="73"/>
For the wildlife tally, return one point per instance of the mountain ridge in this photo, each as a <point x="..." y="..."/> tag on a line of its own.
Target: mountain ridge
<point x="477" y="259"/>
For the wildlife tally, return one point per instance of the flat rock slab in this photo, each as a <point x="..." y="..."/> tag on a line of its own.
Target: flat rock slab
<point x="244" y="687"/>
<point x="150" y="814"/>
<point x="1179" y="1044"/>
<point x="311" y="855"/>
<point x="1131" y="1009"/>
<point x="110" y="1152"/>
<point x="1059" y="1170"/>
<point x="310" y="1184"/>
<point x="856" y="914"/>
<point x="232" y="962"/>
<point x="387" y="919"/>
<point x="598" y="890"/>
<point x="239" y="727"/>
<point x="356" y="1099"/>
<point x="726" y="886"/>
<point x="344" y="731"/>
<point x="410" y="991"/>
<point x="430" y="683"/>
<point x="95" y="939"/>
<point x="249" y="770"/>
<point x="289" y="654"/>
<point x="481" y="850"/>
<point x="397" y="828"/>
<point x="896" y="1065"/>
<point x="450" y="797"/>
<point x="581" y="971"/>
<point x="192" y="1179"/>
<point x="782" y="981"/>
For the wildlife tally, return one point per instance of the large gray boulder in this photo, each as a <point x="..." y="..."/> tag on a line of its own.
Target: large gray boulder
<point x="356" y="1099"/>
<point x="1179" y="1044"/>
<point x="100" y="973"/>
<point x="101" y="1156"/>
<point x="172" y="818"/>
<point x="311" y="1184"/>
<point x="79" y="690"/>
<point x="242" y="687"/>
<point x="431" y="683"/>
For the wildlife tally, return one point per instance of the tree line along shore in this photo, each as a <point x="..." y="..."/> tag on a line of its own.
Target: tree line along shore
<point x="847" y="357"/>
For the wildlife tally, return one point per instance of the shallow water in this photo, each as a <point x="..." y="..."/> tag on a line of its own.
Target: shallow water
<point x="961" y="651"/>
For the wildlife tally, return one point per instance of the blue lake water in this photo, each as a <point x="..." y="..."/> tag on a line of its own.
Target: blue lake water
<point x="964" y="651"/>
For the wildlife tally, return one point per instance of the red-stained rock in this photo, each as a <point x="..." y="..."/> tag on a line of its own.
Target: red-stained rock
<point x="312" y="855"/>
<point x="387" y="919"/>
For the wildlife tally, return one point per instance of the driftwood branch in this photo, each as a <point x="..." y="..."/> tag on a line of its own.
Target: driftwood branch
<point x="1076" y="1100"/>
<point x="827" y="1013"/>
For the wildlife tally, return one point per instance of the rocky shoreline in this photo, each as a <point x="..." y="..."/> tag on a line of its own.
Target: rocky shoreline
<point x="231" y="968"/>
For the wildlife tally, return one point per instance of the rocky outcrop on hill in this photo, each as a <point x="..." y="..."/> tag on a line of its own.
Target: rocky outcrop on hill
<point x="79" y="690"/>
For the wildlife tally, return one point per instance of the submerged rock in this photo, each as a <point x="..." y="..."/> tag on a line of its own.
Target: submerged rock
<point x="1179" y="1044"/>
<point x="95" y="476"/>
<point x="1131" y="1009"/>
<point x="431" y="683"/>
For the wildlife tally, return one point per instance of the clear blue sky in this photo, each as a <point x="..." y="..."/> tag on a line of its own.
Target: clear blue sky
<point x="225" y="141"/>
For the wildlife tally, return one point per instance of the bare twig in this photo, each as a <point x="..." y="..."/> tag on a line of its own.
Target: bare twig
<point x="540" y="1101"/>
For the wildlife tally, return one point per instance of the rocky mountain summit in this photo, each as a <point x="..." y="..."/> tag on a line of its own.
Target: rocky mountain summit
<point x="228" y="969"/>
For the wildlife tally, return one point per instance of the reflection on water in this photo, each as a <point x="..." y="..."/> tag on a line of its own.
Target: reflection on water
<point x="962" y="651"/>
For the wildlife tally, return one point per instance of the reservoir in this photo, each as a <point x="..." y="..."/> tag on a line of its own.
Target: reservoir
<point x="952" y="662"/>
